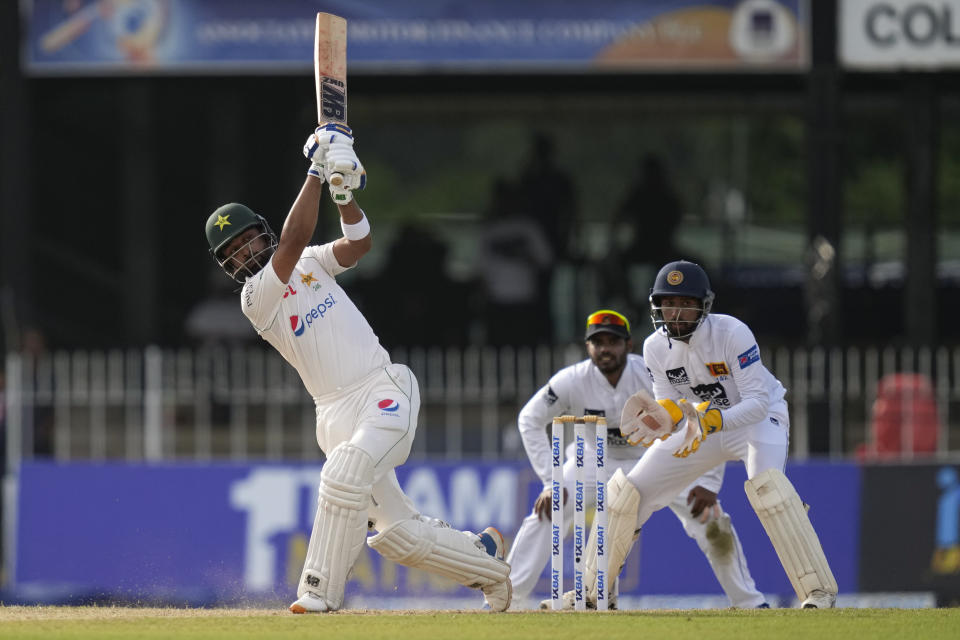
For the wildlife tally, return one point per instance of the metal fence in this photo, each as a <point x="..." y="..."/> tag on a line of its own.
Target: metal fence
<point x="247" y="403"/>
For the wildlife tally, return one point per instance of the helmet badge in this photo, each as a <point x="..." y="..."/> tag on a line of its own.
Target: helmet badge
<point x="222" y="221"/>
<point x="674" y="277"/>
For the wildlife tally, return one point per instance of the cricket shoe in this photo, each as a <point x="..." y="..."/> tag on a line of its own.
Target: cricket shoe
<point x="309" y="603"/>
<point x="496" y="596"/>
<point x="820" y="599"/>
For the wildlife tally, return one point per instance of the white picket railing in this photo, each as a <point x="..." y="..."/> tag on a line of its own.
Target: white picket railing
<point x="159" y="404"/>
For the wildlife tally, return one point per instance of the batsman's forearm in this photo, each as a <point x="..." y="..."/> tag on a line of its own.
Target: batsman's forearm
<point x="302" y="219"/>
<point x="351" y="213"/>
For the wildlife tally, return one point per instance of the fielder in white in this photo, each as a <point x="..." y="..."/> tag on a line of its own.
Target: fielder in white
<point x="366" y="406"/>
<point x="601" y="386"/>
<point x="715" y="402"/>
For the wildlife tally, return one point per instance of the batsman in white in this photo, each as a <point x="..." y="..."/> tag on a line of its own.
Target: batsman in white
<point x="601" y="385"/>
<point x="366" y="406"/>
<point x="716" y="401"/>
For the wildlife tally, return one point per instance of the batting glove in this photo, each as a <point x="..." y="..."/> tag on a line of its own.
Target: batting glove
<point x="344" y="173"/>
<point x="318" y="143"/>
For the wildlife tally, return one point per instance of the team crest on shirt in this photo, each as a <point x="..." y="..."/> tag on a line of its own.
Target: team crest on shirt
<point x="677" y="376"/>
<point x="388" y="406"/>
<point x="310" y="281"/>
<point x="718" y="369"/>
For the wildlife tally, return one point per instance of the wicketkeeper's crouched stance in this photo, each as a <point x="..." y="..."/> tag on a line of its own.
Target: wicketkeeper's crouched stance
<point x="715" y="402"/>
<point x="366" y="406"/>
<point x="602" y="385"/>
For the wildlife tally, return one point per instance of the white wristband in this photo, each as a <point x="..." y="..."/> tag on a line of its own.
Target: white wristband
<point x="357" y="230"/>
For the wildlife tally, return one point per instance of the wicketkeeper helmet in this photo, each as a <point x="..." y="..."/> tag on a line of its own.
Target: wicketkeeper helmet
<point x="680" y="278"/>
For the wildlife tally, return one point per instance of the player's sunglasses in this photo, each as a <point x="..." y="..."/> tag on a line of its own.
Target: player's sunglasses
<point x="608" y="317"/>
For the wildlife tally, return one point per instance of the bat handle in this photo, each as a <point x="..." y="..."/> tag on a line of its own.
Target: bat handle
<point x="336" y="179"/>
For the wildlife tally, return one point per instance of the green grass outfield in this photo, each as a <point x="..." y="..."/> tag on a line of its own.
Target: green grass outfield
<point x="237" y="624"/>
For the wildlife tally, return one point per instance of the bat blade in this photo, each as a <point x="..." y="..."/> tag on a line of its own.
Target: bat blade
<point x="330" y="72"/>
<point x="330" y="68"/>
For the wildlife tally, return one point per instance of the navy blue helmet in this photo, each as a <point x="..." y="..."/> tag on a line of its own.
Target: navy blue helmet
<point x="680" y="278"/>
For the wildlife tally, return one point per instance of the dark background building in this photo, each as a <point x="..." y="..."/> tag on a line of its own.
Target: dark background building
<point x="824" y="201"/>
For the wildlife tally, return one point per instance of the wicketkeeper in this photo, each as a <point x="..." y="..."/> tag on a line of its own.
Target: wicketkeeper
<point x="715" y="401"/>
<point x="601" y="385"/>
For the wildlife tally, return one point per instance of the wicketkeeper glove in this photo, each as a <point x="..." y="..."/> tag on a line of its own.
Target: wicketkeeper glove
<point x="644" y="420"/>
<point x="702" y="420"/>
<point x="676" y="413"/>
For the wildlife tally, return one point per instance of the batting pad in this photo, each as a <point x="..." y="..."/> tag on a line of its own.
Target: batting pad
<point x="340" y="526"/>
<point x="435" y="547"/>
<point x="785" y="519"/>
<point x="621" y="532"/>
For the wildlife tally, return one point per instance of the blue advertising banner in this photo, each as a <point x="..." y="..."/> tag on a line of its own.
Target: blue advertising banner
<point x="250" y="36"/>
<point x="672" y="563"/>
<point x="913" y="516"/>
<point x="227" y="533"/>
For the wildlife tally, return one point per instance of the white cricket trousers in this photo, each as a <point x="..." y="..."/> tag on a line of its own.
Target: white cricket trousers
<point x="378" y="414"/>
<point x="530" y="551"/>
<point x="658" y="475"/>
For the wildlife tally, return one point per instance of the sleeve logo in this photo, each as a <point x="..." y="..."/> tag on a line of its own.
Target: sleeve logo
<point x="749" y="356"/>
<point x="551" y="395"/>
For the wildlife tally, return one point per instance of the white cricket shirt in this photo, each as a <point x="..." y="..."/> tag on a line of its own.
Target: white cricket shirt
<point x="312" y="322"/>
<point x="581" y="390"/>
<point x="721" y="363"/>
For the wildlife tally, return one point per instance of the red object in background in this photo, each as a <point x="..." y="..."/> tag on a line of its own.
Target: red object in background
<point x="905" y="418"/>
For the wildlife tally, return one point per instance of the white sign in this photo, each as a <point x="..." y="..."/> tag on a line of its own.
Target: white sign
<point x="895" y="34"/>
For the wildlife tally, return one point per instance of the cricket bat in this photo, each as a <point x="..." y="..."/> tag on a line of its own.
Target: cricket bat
<point x="330" y="73"/>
